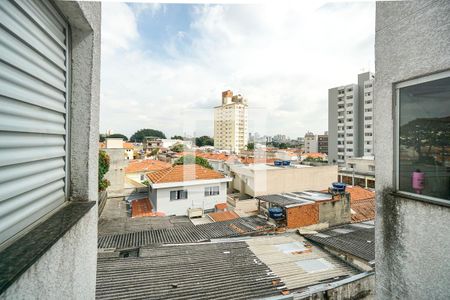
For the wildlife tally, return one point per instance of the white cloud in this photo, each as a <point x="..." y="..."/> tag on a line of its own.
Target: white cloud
<point x="283" y="58"/>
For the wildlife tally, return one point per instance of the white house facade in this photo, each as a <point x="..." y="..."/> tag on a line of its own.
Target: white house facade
<point x="176" y="198"/>
<point x="175" y="190"/>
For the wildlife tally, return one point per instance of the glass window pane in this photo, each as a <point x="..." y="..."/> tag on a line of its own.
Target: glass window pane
<point x="424" y="139"/>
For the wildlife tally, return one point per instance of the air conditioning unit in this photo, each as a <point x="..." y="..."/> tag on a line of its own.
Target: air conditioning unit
<point x="195" y="213"/>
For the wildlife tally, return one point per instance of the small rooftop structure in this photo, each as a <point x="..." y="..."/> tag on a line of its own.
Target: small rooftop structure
<point x="307" y="208"/>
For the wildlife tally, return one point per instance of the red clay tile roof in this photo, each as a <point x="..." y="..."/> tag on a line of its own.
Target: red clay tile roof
<point x="128" y="145"/>
<point x="181" y="173"/>
<point x="221" y="206"/>
<point x="362" y="203"/>
<point x="143" y="208"/>
<point x="364" y="210"/>
<point x="146" y="165"/>
<point x="358" y="193"/>
<point x="213" y="156"/>
<point x="223" y="216"/>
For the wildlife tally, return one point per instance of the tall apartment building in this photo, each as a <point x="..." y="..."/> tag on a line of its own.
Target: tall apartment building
<point x="323" y="143"/>
<point x="350" y="124"/>
<point x="367" y="112"/>
<point x="311" y="143"/>
<point x="230" y="123"/>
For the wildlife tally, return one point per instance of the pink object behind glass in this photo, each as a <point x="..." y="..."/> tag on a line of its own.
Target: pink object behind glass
<point x="418" y="181"/>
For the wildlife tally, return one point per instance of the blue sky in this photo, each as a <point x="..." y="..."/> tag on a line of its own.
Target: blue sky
<point x="164" y="66"/>
<point x="168" y="22"/>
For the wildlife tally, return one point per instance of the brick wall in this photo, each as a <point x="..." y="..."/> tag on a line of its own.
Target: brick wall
<point x="304" y="215"/>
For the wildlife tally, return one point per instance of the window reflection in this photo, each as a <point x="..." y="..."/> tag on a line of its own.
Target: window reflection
<point x="424" y="146"/>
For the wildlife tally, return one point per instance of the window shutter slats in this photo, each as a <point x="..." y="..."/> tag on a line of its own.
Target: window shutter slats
<point x="33" y="112"/>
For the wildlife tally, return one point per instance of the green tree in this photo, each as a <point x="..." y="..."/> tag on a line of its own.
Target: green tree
<point x="177" y="148"/>
<point x="191" y="159"/>
<point x="139" y="135"/>
<point x="204" y="141"/>
<point x="283" y="146"/>
<point x="118" y="135"/>
<point x="154" y="152"/>
<point x="251" y="146"/>
<point x="103" y="167"/>
<point x="177" y="137"/>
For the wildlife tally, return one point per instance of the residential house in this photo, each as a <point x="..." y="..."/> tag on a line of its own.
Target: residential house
<point x="138" y="169"/>
<point x="412" y="92"/>
<point x="129" y="151"/>
<point x="177" y="189"/>
<point x="50" y="86"/>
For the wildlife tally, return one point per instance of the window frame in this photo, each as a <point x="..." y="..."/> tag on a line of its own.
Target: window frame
<point x="209" y="191"/>
<point x="397" y="87"/>
<point x="178" y="193"/>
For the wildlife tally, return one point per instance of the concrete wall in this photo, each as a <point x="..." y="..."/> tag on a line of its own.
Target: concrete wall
<point x="284" y="180"/>
<point x="412" y="244"/>
<point x="335" y="212"/>
<point x="116" y="172"/>
<point x="68" y="269"/>
<point x="196" y="198"/>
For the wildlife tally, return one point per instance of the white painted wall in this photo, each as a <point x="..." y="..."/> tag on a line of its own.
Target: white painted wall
<point x="196" y="198"/>
<point x="137" y="176"/>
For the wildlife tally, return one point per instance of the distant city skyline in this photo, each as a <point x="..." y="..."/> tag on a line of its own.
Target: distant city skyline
<point x="164" y="63"/>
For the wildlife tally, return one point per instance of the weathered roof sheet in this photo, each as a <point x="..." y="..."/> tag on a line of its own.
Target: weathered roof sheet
<point x="191" y="234"/>
<point x="356" y="239"/>
<point x="284" y="200"/>
<point x="298" y="263"/>
<point x="202" y="271"/>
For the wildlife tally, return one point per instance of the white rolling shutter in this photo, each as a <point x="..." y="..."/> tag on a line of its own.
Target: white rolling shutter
<point x="33" y="112"/>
